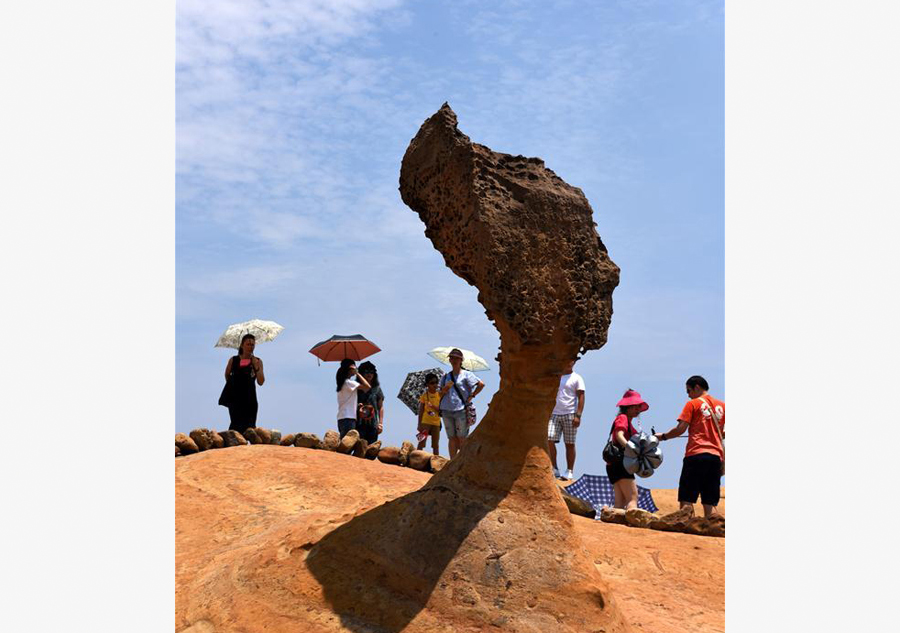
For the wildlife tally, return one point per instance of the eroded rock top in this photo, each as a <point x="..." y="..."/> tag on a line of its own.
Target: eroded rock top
<point x="516" y="231"/>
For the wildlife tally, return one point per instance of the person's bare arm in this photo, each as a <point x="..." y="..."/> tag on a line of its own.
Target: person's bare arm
<point x="362" y="381"/>
<point x="478" y="389"/>
<point x="258" y="368"/>
<point x="577" y="418"/>
<point x="228" y="368"/>
<point x="421" y="413"/>
<point x="680" y="428"/>
<point x="620" y="438"/>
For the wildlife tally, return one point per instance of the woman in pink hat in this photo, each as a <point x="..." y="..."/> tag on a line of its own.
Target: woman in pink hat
<point x="630" y="406"/>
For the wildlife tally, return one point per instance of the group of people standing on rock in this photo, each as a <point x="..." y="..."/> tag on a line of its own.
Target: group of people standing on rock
<point x="703" y="417"/>
<point x="361" y="406"/>
<point x="361" y="403"/>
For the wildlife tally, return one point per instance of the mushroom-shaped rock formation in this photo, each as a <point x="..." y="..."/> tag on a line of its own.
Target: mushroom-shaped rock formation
<point x="489" y="539"/>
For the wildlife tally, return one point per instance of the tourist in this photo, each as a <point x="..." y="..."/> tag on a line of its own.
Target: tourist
<point x="703" y="417"/>
<point x="458" y="388"/>
<point x="566" y="418"/>
<point x="348" y="381"/>
<point x="625" y="489"/>
<point x="370" y="405"/>
<point x="243" y="371"/>
<point x="429" y="414"/>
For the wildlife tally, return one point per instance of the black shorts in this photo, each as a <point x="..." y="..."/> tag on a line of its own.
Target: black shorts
<point x="701" y="475"/>
<point x="617" y="471"/>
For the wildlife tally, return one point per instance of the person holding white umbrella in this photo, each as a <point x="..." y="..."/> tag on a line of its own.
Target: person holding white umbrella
<point x="458" y="388"/>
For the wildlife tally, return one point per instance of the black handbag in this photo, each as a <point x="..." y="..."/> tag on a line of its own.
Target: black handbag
<point x="227" y="396"/>
<point x="612" y="452"/>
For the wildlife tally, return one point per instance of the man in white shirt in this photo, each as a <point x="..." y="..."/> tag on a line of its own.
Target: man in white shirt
<point x="566" y="418"/>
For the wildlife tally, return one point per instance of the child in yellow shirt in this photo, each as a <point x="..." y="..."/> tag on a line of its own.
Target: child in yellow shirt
<point x="429" y="414"/>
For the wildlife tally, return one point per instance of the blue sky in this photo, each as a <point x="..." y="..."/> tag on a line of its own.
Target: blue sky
<point x="292" y="120"/>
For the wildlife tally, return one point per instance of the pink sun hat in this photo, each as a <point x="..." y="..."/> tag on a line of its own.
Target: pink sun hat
<point x="633" y="397"/>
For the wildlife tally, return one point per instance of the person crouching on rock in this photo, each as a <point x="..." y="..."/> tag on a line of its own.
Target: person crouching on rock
<point x="430" y="414"/>
<point x="624" y="487"/>
<point x="348" y="381"/>
<point x="370" y="405"/>
<point x="244" y="371"/>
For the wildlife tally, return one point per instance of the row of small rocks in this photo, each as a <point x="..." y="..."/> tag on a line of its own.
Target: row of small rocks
<point x="678" y="521"/>
<point x="406" y="455"/>
<point x="351" y="444"/>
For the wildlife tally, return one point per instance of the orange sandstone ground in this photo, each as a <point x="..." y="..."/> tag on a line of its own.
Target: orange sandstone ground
<point x="246" y="517"/>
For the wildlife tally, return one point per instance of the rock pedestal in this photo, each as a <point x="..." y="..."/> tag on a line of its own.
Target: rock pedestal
<point x="507" y="555"/>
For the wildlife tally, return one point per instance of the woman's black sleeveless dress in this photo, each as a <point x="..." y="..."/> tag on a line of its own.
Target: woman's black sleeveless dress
<point x="244" y="404"/>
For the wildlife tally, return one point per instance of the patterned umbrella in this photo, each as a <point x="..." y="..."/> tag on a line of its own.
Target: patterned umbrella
<point x="338" y="347"/>
<point x="596" y="490"/>
<point x="471" y="360"/>
<point x="262" y="330"/>
<point x="414" y="386"/>
<point x="642" y="455"/>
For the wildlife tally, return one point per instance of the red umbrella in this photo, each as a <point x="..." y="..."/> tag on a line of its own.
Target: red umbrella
<point x="340" y="347"/>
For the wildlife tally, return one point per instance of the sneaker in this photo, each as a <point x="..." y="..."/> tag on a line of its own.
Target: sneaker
<point x="569" y="474"/>
<point x="556" y="472"/>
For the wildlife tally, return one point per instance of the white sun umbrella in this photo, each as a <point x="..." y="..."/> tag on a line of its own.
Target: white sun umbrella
<point x="471" y="360"/>
<point x="262" y="330"/>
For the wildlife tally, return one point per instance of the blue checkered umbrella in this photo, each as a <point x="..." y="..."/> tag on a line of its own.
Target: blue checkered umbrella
<point x="596" y="490"/>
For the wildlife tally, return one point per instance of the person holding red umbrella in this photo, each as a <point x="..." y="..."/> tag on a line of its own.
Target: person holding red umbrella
<point x="348" y="381"/>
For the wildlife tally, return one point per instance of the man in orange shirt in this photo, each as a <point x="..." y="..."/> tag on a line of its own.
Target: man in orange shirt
<point x="701" y="472"/>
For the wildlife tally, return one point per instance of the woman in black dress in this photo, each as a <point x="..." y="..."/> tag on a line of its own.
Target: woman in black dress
<point x="244" y="371"/>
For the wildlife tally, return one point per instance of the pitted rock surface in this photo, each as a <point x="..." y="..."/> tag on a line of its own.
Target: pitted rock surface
<point x="545" y="271"/>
